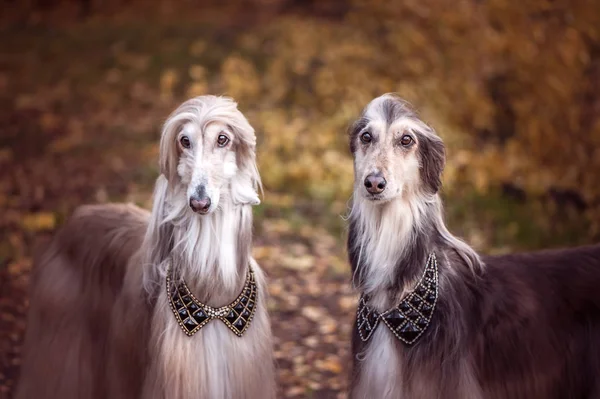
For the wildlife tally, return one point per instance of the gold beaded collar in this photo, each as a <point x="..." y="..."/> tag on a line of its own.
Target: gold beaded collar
<point x="410" y="318"/>
<point x="192" y="315"/>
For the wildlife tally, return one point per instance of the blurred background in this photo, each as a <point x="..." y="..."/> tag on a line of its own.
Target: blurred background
<point x="513" y="88"/>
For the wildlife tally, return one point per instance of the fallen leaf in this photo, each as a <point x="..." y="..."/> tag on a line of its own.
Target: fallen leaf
<point x="168" y="80"/>
<point x="66" y="143"/>
<point x="197" y="89"/>
<point x="49" y="121"/>
<point x="312" y="313"/>
<point x="332" y="364"/>
<point x="6" y="155"/>
<point x="197" y="72"/>
<point x="300" y="263"/>
<point x="39" y="221"/>
<point x="347" y="303"/>
<point x="197" y="48"/>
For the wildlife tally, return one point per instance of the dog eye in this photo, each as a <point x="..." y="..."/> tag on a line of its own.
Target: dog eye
<point x="406" y="140"/>
<point x="366" y="137"/>
<point x="185" y="142"/>
<point x="222" y="140"/>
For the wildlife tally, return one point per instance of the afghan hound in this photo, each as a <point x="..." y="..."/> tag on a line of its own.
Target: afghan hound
<point x="436" y="320"/>
<point x="167" y="304"/>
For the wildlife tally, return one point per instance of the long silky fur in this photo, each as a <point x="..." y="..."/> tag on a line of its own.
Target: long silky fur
<point x="100" y="325"/>
<point x="517" y="326"/>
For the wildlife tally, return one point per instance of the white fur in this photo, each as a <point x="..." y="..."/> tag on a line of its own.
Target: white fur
<point x="385" y="231"/>
<point x="381" y="376"/>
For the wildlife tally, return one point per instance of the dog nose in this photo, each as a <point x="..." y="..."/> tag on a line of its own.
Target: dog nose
<point x="200" y="205"/>
<point x="375" y="183"/>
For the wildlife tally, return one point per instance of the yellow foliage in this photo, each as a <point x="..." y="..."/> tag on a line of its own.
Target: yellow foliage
<point x="504" y="84"/>
<point x="198" y="47"/>
<point x="197" y="72"/>
<point x="168" y="80"/>
<point x="38" y="221"/>
<point x="240" y="78"/>
<point x="511" y="87"/>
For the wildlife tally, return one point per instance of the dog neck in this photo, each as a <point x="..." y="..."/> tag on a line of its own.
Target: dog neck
<point x="388" y="245"/>
<point x="212" y="252"/>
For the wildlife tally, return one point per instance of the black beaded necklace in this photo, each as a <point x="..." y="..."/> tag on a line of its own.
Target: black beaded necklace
<point x="192" y="315"/>
<point x="410" y="318"/>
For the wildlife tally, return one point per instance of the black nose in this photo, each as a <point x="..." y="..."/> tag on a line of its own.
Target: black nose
<point x="375" y="183"/>
<point x="200" y="205"/>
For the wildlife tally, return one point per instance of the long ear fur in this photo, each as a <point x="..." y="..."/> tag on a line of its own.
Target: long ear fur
<point x="245" y="186"/>
<point x="433" y="160"/>
<point x="246" y="183"/>
<point x="168" y="149"/>
<point x="158" y="241"/>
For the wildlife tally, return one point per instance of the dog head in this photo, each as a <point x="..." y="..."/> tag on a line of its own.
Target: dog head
<point x="395" y="153"/>
<point x="208" y="147"/>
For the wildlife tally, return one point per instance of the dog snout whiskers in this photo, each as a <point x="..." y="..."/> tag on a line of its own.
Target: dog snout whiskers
<point x="375" y="183"/>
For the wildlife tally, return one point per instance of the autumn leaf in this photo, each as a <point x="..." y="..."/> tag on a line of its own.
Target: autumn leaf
<point x="168" y="80"/>
<point x="39" y="221"/>
<point x="197" y="48"/>
<point x="331" y="364"/>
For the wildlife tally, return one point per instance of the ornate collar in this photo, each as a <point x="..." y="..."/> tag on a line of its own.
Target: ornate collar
<point x="410" y="318"/>
<point x="192" y="315"/>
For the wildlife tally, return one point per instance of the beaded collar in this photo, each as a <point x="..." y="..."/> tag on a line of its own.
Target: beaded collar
<point x="410" y="318"/>
<point x="192" y="315"/>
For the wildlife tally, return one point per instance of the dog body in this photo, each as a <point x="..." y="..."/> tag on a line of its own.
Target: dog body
<point x="514" y="326"/>
<point x="100" y="322"/>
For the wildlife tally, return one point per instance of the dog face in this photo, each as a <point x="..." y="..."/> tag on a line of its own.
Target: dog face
<point x="207" y="149"/>
<point x="395" y="153"/>
<point x="207" y="163"/>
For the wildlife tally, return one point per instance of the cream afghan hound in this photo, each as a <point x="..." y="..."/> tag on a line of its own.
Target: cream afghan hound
<point x="436" y="320"/>
<point x="167" y="304"/>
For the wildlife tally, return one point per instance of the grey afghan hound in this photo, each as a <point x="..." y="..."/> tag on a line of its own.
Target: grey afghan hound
<point x="167" y="304"/>
<point x="436" y="320"/>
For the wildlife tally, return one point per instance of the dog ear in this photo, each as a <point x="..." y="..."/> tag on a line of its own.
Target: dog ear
<point x="246" y="182"/>
<point x="353" y="131"/>
<point x="169" y="152"/>
<point x="158" y="241"/>
<point x="433" y="159"/>
<point x="244" y="190"/>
